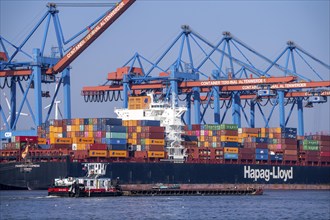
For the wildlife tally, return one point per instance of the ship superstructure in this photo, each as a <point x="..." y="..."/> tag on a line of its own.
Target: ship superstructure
<point x="169" y="116"/>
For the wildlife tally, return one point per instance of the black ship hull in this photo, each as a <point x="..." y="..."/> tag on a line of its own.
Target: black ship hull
<point x="41" y="175"/>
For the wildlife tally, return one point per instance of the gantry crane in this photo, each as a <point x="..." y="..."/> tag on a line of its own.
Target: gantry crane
<point x="40" y="69"/>
<point x="184" y="78"/>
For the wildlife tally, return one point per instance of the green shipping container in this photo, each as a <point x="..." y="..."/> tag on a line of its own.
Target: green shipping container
<point x="228" y="127"/>
<point x="310" y="142"/>
<point x="311" y="147"/>
<point x="117" y="135"/>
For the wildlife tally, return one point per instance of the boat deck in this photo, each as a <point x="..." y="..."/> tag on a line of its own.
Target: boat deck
<point x="192" y="192"/>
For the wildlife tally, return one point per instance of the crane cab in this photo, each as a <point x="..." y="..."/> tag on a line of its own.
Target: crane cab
<point x="265" y="91"/>
<point x="317" y="99"/>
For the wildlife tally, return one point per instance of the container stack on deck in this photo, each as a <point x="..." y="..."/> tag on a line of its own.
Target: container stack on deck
<point x="146" y="138"/>
<point x="110" y="138"/>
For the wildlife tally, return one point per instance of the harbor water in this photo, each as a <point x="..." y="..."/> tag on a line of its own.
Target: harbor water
<point x="274" y="204"/>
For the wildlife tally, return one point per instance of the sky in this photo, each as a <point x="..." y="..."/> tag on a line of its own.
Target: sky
<point x="148" y="27"/>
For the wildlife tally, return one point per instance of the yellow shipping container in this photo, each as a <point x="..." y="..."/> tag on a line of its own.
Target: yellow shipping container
<point x="271" y="135"/>
<point x="202" y="138"/>
<point x="155" y="141"/>
<point x="138" y="129"/>
<point x="134" y="135"/>
<point x="82" y="147"/>
<point x="118" y="153"/>
<point x="132" y="123"/>
<point x="76" y="121"/>
<point x="275" y="130"/>
<point x="214" y="139"/>
<point x="42" y="141"/>
<point x="90" y="127"/>
<point x="206" y="144"/>
<point x="83" y="140"/>
<point x="51" y="128"/>
<point x="98" y="153"/>
<point x="125" y="123"/>
<point x="232" y="150"/>
<point x="60" y="140"/>
<point x="58" y="135"/>
<point x="156" y="154"/>
<point x="90" y="134"/>
<point x="240" y="140"/>
<point x="229" y="138"/>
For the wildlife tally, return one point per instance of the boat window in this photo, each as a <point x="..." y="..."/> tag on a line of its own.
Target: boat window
<point x="92" y="183"/>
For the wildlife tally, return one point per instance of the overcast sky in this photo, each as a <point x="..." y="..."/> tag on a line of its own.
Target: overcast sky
<point x="148" y="27"/>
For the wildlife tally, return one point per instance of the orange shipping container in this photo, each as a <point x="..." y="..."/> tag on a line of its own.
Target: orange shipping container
<point x="42" y="141"/>
<point x="156" y="154"/>
<point x="117" y="153"/>
<point x="229" y="138"/>
<point x="83" y="140"/>
<point x="155" y="142"/>
<point x="232" y="150"/>
<point x="60" y="140"/>
<point x="98" y="153"/>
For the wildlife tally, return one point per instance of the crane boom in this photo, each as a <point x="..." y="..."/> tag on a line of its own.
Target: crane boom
<point x="93" y="34"/>
<point x="77" y="49"/>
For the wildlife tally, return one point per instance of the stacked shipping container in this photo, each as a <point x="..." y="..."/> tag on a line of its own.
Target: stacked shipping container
<point x="146" y="138"/>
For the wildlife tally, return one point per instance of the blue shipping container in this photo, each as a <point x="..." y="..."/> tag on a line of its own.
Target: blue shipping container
<point x="260" y="140"/>
<point x="231" y="156"/>
<point x="261" y="156"/>
<point x="288" y="135"/>
<point x="150" y="123"/>
<point x="276" y="157"/>
<point x="229" y="144"/>
<point x="117" y="147"/>
<point x="118" y="141"/>
<point x="261" y="151"/>
<point x="113" y="121"/>
<point x="289" y="130"/>
<point x="116" y="128"/>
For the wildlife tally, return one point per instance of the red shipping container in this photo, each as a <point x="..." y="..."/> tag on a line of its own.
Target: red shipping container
<point x="289" y="147"/>
<point x="290" y="158"/>
<point x="246" y="156"/>
<point x="98" y="146"/>
<point x="325" y="154"/>
<point x="140" y="154"/>
<point x="31" y="139"/>
<point x="324" y="143"/>
<point x="152" y="129"/>
<point x="321" y="137"/>
<point x="227" y="132"/>
<point x="246" y="150"/>
<point x="196" y="127"/>
<point x="289" y="141"/>
<point x="324" y="148"/>
<point x="154" y="148"/>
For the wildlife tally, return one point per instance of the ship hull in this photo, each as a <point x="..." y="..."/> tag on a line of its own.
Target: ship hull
<point x="41" y="175"/>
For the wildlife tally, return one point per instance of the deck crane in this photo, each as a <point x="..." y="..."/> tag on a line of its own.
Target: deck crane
<point x="46" y="67"/>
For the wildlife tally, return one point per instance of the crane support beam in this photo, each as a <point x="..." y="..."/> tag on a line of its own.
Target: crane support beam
<point x="186" y="87"/>
<point x="93" y="34"/>
<point x="19" y="72"/>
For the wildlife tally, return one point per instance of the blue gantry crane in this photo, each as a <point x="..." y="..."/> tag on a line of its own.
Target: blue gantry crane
<point x="38" y="69"/>
<point x="215" y="76"/>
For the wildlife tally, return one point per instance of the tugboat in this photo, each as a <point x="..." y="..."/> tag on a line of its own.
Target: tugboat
<point x="93" y="185"/>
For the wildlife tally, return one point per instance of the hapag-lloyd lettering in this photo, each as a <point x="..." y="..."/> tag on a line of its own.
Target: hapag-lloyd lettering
<point x="267" y="174"/>
<point x="95" y="30"/>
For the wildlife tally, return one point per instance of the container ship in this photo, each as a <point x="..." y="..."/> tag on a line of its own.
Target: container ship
<point x="148" y="144"/>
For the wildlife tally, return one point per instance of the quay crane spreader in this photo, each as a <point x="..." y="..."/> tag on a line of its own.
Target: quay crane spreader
<point x="43" y="69"/>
